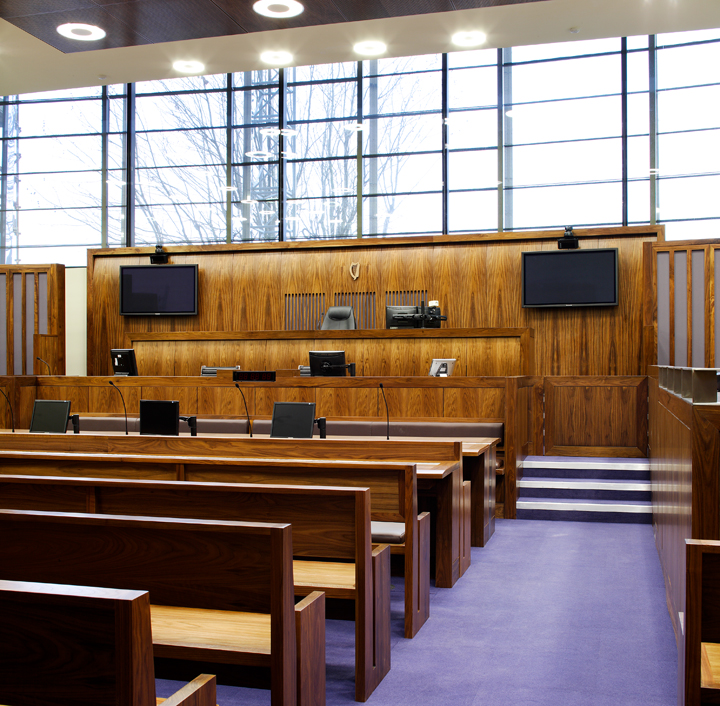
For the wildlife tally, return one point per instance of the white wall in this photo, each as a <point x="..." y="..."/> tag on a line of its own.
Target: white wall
<point x="76" y="320"/>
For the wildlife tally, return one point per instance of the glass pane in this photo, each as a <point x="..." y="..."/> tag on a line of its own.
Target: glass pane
<point x="116" y="227"/>
<point x="686" y="66"/>
<point x="91" y="92"/>
<point x="323" y="72"/>
<point x="638" y="71"/>
<point x="639" y="42"/>
<point x="79" y="226"/>
<point x="688" y="109"/>
<point x="417" y="93"/>
<point x="256" y="78"/>
<point x="693" y="230"/>
<point x="689" y="153"/>
<point x="577" y="48"/>
<point x="472" y="170"/>
<point x="470" y="88"/>
<point x="575" y="78"/>
<point x="318" y="140"/>
<point x="180" y="185"/>
<point x="689" y="197"/>
<point x="473" y="211"/>
<point x="566" y="120"/>
<point x="703" y="35"/>
<point x="555" y="207"/>
<point x="321" y="218"/>
<point x="249" y="224"/>
<point x="180" y="223"/>
<point x="69" y="255"/>
<point x="256" y="107"/>
<point x="317" y="101"/>
<point x="258" y="182"/>
<point x="185" y="111"/>
<point x="322" y="178"/>
<point x="181" y="147"/>
<point x="639" y="201"/>
<point x="477" y="128"/>
<point x="639" y="114"/>
<point x="184" y="83"/>
<point x="402" y="215"/>
<point x="118" y="115"/>
<point x="472" y="57"/>
<point x="594" y="160"/>
<point x="426" y="62"/>
<point x="57" y="190"/>
<point x="405" y="133"/>
<point x="255" y="144"/>
<point x="407" y="173"/>
<point x="60" y="154"/>
<point x="65" y="118"/>
<point x="638" y="157"/>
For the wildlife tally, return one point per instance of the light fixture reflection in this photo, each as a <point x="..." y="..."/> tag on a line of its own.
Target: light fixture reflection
<point x="278" y="8"/>
<point x="81" y="32"/>
<point x="188" y="67"/>
<point x="370" y="48"/>
<point x="276" y="58"/>
<point x="469" y="39"/>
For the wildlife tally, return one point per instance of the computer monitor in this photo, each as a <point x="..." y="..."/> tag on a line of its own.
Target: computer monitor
<point x="123" y="361"/>
<point x="401" y="317"/>
<point x="50" y="416"/>
<point x="293" y="420"/>
<point x="327" y="363"/>
<point x="160" y="417"/>
<point x="442" y="367"/>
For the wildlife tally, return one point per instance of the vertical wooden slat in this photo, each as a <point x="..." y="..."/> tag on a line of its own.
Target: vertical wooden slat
<point x="709" y="306"/>
<point x="688" y="303"/>
<point x="671" y="269"/>
<point x="24" y="323"/>
<point x="10" y="309"/>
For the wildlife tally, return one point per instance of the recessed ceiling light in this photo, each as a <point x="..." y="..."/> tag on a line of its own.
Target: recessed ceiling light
<point x="469" y="39"/>
<point x="277" y="58"/>
<point x="82" y="32"/>
<point x="370" y="48"/>
<point x="278" y="8"/>
<point x="188" y="67"/>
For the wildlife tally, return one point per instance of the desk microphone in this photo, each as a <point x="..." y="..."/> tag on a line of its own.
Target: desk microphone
<point x="123" y="401"/>
<point x="46" y="363"/>
<point x="387" y="410"/>
<point x="247" y="414"/>
<point x="12" y="416"/>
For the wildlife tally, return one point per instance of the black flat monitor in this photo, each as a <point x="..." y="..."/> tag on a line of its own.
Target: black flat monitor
<point x="50" y="416"/>
<point x="401" y="317"/>
<point x="293" y="420"/>
<point x="565" y="278"/>
<point x="161" y="417"/>
<point x="327" y="363"/>
<point x="123" y="361"/>
<point x="159" y="290"/>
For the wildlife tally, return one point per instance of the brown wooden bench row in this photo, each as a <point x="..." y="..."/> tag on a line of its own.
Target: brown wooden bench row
<point x="393" y="490"/>
<point x="329" y="524"/>
<point x="220" y="591"/>
<point x="85" y="646"/>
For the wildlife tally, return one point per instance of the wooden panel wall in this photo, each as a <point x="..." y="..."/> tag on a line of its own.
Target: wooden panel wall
<point x="34" y="319"/>
<point x="476" y="279"/>
<point x="596" y="416"/>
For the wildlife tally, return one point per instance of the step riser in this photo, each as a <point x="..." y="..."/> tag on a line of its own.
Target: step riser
<point x="582" y="473"/>
<point x="585" y="516"/>
<point x="638" y="495"/>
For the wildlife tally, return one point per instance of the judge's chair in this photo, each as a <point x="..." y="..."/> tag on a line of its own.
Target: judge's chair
<point x="339" y="317"/>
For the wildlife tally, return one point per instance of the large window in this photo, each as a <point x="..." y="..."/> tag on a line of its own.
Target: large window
<point x="603" y="132"/>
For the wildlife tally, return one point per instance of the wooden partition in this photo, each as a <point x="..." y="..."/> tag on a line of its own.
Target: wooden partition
<point x="682" y="285"/>
<point x="32" y="319"/>
<point x="596" y="416"/>
<point x="283" y="287"/>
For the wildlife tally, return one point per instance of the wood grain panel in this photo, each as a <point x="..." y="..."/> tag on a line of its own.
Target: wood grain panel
<point x="78" y="396"/>
<point x="494" y="356"/>
<point x="418" y="402"/>
<point x="186" y="396"/>
<point x="459" y="283"/>
<point x="107" y="401"/>
<point x="480" y="403"/>
<point x="225" y="401"/>
<point x="265" y="398"/>
<point x="337" y="402"/>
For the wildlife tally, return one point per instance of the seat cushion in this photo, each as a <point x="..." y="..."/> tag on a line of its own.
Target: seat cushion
<point x="387" y="532"/>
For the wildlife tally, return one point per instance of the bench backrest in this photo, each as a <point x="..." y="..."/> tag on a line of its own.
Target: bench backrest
<point x="71" y="644"/>
<point x="180" y="562"/>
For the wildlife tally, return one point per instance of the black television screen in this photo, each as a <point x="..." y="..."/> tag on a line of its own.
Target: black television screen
<point x="50" y="416"/>
<point x="123" y="361"/>
<point x="293" y="420"/>
<point x="565" y="278"/>
<point x="159" y="290"/>
<point x="160" y="417"/>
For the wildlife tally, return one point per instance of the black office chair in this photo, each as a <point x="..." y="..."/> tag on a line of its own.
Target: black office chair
<point x="339" y="317"/>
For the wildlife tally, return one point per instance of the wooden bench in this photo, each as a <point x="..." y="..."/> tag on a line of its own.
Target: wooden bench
<point x="332" y="524"/>
<point x="80" y="645"/>
<point x="393" y="490"/>
<point x="220" y="591"/>
<point x="701" y="659"/>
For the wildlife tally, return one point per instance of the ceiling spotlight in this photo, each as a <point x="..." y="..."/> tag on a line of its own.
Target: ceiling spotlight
<point x="276" y="58"/>
<point x="469" y="39"/>
<point x="188" y="67"/>
<point x="278" y="8"/>
<point x="370" y="48"/>
<point x="82" y="32"/>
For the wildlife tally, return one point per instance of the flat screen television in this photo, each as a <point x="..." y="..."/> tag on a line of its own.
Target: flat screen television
<point x="50" y="416"/>
<point x="565" y="278"/>
<point x="327" y="363"/>
<point x="160" y="417"/>
<point x="123" y="361"/>
<point x="159" y="290"/>
<point x="293" y="420"/>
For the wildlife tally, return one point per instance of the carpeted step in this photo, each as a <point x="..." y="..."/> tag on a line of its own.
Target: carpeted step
<point x="584" y="488"/>
<point x="638" y="512"/>
<point x="574" y="468"/>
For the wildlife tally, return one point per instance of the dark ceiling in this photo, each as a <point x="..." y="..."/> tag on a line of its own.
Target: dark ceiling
<point x="136" y="22"/>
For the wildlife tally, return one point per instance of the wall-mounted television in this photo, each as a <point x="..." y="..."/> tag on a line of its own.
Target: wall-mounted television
<point x="159" y="290"/>
<point x="563" y="278"/>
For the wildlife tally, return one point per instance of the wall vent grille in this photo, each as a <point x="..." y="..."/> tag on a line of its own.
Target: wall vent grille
<point x="363" y="304"/>
<point x="410" y="297"/>
<point x="304" y="311"/>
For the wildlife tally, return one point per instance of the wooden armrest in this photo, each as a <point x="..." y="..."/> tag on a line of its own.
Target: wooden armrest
<point x="378" y="549"/>
<point x="199" y="692"/>
<point x="310" y="645"/>
<point x="710" y="666"/>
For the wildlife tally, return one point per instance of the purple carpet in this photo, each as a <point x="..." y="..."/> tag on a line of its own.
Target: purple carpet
<point x="549" y="613"/>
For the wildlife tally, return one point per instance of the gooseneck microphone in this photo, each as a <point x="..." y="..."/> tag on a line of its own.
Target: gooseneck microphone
<point x="123" y="401"/>
<point x="387" y="410"/>
<point x="46" y="363"/>
<point x="12" y="416"/>
<point x="247" y="414"/>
